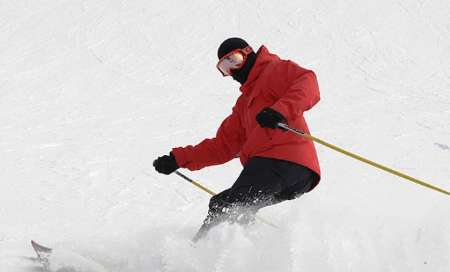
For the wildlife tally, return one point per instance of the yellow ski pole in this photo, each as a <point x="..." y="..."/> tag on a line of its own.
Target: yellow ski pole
<point x="203" y="188"/>
<point x="362" y="159"/>
<point x="195" y="183"/>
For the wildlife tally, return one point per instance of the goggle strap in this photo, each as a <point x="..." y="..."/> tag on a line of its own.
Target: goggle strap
<point x="247" y="50"/>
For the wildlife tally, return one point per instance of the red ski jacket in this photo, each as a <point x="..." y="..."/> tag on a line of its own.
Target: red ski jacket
<point x="279" y="84"/>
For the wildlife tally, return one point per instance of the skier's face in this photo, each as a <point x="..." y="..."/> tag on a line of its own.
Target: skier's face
<point x="233" y="61"/>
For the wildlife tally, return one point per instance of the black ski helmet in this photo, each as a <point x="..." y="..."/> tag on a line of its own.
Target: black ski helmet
<point x="229" y="45"/>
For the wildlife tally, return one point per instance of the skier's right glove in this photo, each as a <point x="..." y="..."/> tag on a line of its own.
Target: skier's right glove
<point x="166" y="164"/>
<point x="269" y="118"/>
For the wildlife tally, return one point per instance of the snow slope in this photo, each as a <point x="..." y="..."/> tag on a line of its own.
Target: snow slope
<point x="91" y="92"/>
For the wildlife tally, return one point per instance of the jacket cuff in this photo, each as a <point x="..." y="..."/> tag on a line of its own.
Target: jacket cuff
<point x="279" y="108"/>
<point x="180" y="156"/>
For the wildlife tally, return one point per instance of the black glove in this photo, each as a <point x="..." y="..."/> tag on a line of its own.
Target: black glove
<point x="166" y="164"/>
<point x="269" y="118"/>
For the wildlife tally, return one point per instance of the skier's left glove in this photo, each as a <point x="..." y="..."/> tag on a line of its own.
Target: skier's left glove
<point x="166" y="164"/>
<point x="269" y="118"/>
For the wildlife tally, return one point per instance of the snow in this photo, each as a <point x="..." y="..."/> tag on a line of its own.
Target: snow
<point x="91" y="92"/>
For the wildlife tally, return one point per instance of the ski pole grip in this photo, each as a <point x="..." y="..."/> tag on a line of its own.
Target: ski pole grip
<point x="288" y="128"/>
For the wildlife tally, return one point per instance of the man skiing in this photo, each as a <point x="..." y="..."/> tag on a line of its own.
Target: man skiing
<point x="278" y="165"/>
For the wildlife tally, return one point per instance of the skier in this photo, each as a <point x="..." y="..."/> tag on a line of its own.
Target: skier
<point x="277" y="165"/>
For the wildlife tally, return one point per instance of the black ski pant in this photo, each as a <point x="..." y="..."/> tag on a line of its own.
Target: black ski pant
<point x="262" y="182"/>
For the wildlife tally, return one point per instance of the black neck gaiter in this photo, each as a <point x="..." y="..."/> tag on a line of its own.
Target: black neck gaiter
<point x="241" y="75"/>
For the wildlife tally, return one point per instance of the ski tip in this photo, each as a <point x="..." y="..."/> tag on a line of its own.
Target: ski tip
<point x="40" y="248"/>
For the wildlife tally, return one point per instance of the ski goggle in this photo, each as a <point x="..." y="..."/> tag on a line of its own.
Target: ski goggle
<point x="233" y="60"/>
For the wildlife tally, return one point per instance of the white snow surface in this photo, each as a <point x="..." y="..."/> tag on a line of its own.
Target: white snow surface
<point x="91" y="92"/>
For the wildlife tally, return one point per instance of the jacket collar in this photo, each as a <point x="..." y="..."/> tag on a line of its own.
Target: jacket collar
<point x="263" y="58"/>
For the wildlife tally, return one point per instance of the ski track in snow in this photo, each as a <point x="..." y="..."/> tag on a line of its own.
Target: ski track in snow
<point x="91" y="92"/>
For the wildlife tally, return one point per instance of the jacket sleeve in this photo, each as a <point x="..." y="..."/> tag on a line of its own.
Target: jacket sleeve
<point x="220" y="149"/>
<point x="301" y="91"/>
